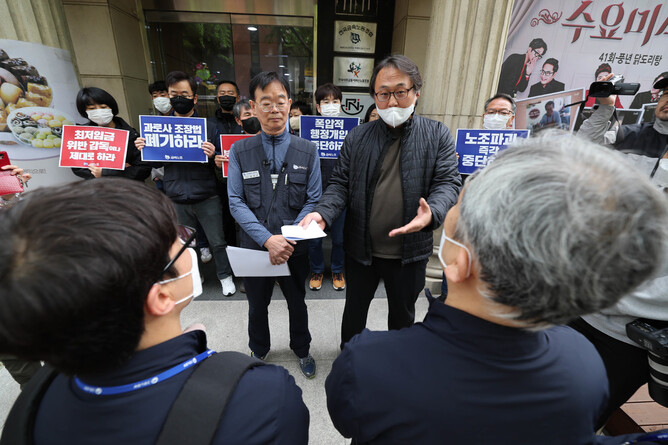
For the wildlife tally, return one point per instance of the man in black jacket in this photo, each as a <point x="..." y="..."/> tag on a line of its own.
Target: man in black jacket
<point x="517" y="68"/>
<point x="398" y="177"/>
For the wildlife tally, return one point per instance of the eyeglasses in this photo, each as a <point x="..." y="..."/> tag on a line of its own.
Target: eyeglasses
<point x="501" y="112"/>
<point x="187" y="237"/>
<point x="537" y="54"/>
<point x="546" y="73"/>
<point x="384" y="96"/>
<point x="269" y="107"/>
<point x="186" y="96"/>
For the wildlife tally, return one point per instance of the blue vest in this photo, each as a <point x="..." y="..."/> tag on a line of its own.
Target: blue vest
<point x="274" y="207"/>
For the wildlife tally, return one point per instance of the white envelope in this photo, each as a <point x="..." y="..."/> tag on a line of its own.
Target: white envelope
<point x="254" y="263"/>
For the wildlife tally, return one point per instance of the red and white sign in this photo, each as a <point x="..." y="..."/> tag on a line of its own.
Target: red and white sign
<point x="226" y="141"/>
<point x="82" y="146"/>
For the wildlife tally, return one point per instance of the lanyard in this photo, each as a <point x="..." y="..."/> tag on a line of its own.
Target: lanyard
<point x="110" y="390"/>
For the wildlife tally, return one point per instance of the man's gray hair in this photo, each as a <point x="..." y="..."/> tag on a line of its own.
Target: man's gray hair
<point x="239" y="107"/>
<point x="561" y="227"/>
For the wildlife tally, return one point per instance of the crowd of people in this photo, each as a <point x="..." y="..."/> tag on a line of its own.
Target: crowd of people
<point x="547" y="253"/>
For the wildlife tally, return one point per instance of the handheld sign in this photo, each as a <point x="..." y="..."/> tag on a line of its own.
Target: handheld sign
<point x="477" y="148"/>
<point x="327" y="133"/>
<point x="173" y="138"/>
<point x="105" y="147"/>
<point x="226" y="141"/>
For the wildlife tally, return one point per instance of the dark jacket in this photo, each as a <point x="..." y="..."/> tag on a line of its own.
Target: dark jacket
<point x="221" y="123"/>
<point x="428" y="170"/>
<point x="137" y="170"/>
<point x="513" y="75"/>
<point x="537" y="89"/>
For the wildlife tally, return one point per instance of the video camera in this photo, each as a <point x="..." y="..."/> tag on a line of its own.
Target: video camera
<point x="653" y="336"/>
<point x="615" y="85"/>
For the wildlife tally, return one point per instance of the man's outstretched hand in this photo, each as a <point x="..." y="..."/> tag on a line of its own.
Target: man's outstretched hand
<point x="313" y="216"/>
<point x="422" y="220"/>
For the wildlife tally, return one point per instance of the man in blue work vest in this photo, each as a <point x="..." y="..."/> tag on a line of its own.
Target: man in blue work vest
<point x="274" y="180"/>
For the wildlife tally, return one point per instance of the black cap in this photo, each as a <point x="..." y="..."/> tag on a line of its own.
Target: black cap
<point x="661" y="84"/>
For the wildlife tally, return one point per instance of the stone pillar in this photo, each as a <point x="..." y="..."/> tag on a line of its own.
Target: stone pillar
<point x="109" y="42"/>
<point x="464" y="51"/>
<point x="411" y="29"/>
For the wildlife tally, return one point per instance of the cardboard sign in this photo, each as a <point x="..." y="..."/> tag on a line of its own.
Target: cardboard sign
<point x="173" y="138"/>
<point x="82" y="146"/>
<point x="226" y="141"/>
<point x="327" y="133"/>
<point x="477" y="148"/>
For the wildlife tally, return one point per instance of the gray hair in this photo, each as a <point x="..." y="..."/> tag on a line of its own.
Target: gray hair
<point x="561" y="227"/>
<point x="502" y="96"/>
<point x="239" y="108"/>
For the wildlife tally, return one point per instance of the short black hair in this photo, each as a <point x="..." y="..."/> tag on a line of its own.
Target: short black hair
<point x="403" y="64"/>
<point x="303" y="107"/>
<point x="231" y="82"/>
<point x="158" y="85"/>
<point x="95" y="96"/>
<point x="549" y="102"/>
<point x="368" y="112"/>
<point x="76" y="264"/>
<point x="662" y="75"/>
<point x="265" y="78"/>
<point x="177" y="76"/>
<point x="554" y="62"/>
<point x="502" y="96"/>
<point x="327" y="90"/>
<point x="538" y="43"/>
<point x="602" y="68"/>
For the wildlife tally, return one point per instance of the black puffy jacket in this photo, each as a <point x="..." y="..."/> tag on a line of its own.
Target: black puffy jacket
<point x="428" y="170"/>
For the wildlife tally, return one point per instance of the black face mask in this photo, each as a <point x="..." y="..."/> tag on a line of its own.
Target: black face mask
<point x="182" y="105"/>
<point x="251" y="125"/>
<point x="227" y="102"/>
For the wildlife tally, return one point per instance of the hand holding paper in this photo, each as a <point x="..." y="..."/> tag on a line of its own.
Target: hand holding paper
<point x="299" y="232"/>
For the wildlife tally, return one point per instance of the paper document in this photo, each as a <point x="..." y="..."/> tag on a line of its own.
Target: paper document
<point x="297" y="233"/>
<point x="254" y="263"/>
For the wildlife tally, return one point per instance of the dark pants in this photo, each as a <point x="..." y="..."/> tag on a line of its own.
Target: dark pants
<point x="210" y="216"/>
<point x="20" y="370"/>
<point x="317" y="259"/>
<point x="258" y="292"/>
<point x="403" y="284"/>
<point x="626" y="366"/>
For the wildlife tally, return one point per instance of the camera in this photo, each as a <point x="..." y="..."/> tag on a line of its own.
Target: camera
<point x="615" y="85"/>
<point x="653" y="336"/>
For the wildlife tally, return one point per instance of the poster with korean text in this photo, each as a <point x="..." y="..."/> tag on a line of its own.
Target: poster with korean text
<point x="173" y="139"/>
<point x="85" y="146"/>
<point x="477" y="148"/>
<point x="327" y="133"/>
<point x="226" y="141"/>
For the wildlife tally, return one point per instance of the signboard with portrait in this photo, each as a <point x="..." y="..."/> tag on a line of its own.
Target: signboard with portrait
<point x="173" y="138"/>
<point x="354" y="37"/>
<point x="548" y="111"/>
<point x="478" y="148"/>
<point x="103" y="147"/>
<point x="561" y="45"/>
<point x="328" y="133"/>
<point x="38" y="90"/>
<point x="352" y="71"/>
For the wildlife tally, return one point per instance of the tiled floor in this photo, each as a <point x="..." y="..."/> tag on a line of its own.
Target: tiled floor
<point x="226" y="320"/>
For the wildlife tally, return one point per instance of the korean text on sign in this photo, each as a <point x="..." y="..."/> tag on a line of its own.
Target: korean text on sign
<point x="477" y="148"/>
<point x="103" y="147"/>
<point x="327" y="133"/>
<point x="173" y="139"/>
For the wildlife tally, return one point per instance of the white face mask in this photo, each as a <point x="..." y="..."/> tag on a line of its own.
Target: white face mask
<point x="330" y="110"/>
<point x="660" y="126"/>
<point x="194" y="274"/>
<point x="495" y="121"/>
<point x="440" y="251"/>
<point x="395" y="116"/>
<point x="162" y="104"/>
<point x="101" y="116"/>
<point x="294" y="122"/>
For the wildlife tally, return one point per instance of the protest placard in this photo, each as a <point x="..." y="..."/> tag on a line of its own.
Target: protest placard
<point x="327" y="133"/>
<point x="173" y="138"/>
<point x="477" y="148"/>
<point x="82" y="146"/>
<point x="226" y="141"/>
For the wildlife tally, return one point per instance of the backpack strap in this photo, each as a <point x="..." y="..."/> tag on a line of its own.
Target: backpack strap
<point x="195" y="415"/>
<point x="20" y="424"/>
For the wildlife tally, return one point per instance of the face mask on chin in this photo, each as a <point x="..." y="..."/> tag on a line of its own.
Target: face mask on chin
<point x="330" y="110"/>
<point x="251" y="125"/>
<point x="100" y="116"/>
<point x="182" y="105"/>
<point x="194" y="275"/>
<point x="396" y="116"/>
<point x="495" y="122"/>
<point x="162" y="104"/>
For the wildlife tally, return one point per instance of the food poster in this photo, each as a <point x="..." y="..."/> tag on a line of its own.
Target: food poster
<point x="38" y="88"/>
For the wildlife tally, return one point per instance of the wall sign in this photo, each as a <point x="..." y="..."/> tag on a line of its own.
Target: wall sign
<point x="353" y="71"/>
<point x="354" y="37"/>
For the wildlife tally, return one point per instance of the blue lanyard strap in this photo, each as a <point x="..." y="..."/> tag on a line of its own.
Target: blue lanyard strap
<point x="110" y="390"/>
